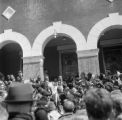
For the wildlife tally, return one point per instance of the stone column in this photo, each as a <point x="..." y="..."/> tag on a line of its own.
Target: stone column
<point x="60" y="65"/>
<point x="88" y="61"/>
<point x="32" y="67"/>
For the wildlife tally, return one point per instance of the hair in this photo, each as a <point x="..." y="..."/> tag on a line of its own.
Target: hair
<point x="62" y="97"/>
<point x="1" y="76"/>
<point x="116" y="96"/>
<point x="89" y="76"/>
<point x="101" y="76"/>
<point x="70" y="85"/>
<point x="41" y="114"/>
<point x="98" y="103"/>
<point x="82" y="75"/>
<point x="68" y="106"/>
<point x="3" y="113"/>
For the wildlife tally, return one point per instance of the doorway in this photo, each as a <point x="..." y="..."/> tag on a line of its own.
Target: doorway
<point x="110" y="55"/>
<point x="11" y="59"/>
<point x="60" y="57"/>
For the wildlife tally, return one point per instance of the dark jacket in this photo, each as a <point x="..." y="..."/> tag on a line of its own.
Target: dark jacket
<point x="20" y="116"/>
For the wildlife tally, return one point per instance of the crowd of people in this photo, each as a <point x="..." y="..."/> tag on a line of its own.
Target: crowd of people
<point x="84" y="97"/>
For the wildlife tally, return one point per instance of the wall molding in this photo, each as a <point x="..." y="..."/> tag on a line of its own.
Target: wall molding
<point x="88" y="53"/>
<point x="33" y="59"/>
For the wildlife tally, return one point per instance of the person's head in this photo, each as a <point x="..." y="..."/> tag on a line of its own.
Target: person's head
<point x="59" y="89"/>
<point x="3" y="113"/>
<point x="82" y="75"/>
<point x="89" y="75"/>
<point x="62" y="98"/>
<point x="116" y="96"/>
<point x="60" y="78"/>
<point x="20" y="98"/>
<point x="108" y="86"/>
<point x="2" y="77"/>
<point x="101" y="76"/>
<point x="68" y="106"/>
<point x="18" y="79"/>
<point x="12" y="77"/>
<point x="38" y="80"/>
<point x="40" y="114"/>
<point x="59" y="82"/>
<point x="20" y="74"/>
<point x="8" y="77"/>
<point x="44" y="85"/>
<point x="51" y="106"/>
<point x="98" y="103"/>
<point x="70" y="85"/>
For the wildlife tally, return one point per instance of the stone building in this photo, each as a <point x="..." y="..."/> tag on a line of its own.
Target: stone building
<point x="63" y="37"/>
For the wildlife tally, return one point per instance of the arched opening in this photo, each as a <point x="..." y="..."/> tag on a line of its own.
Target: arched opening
<point x="11" y="58"/>
<point x="60" y="58"/>
<point x="110" y="50"/>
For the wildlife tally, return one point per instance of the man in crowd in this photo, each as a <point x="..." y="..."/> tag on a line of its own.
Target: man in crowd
<point x="98" y="104"/>
<point x="19" y="101"/>
<point x="68" y="107"/>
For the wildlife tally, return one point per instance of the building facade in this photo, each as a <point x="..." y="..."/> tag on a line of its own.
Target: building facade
<point x="60" y="36"/>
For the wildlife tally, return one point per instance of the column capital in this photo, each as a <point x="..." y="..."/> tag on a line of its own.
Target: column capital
<point x="88" y="53"/>
<point x="33" y="59"/>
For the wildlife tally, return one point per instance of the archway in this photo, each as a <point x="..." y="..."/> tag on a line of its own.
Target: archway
<point x="60" y="57"/>
<point x="110" y="50"/>
<point x="42" y="38"/>
<point x="11" y="58"/>
<point x="113" y="21"/>
<point x="18" y="38"/>
<point x="9" y="36"/>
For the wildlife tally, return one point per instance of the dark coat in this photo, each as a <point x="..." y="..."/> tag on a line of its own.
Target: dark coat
<point x="41" y="114"/>
<point x="20" y="116"/>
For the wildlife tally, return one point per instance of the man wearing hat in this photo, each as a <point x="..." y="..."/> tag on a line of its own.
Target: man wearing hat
<point x="19" y="102"/>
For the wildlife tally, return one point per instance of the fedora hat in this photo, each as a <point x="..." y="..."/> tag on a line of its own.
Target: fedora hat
<point x="20" y="93"/>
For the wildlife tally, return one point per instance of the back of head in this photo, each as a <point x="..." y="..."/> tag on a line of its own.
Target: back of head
<point x="116" y="96"/>
<point x="70" y="85"/>
<point x="62" y="98"/>
<point x="82" y="75"/>
<point x="51" y="106"/>
<point x="89" y="75"/>
<point x="68" y="106"/>
<point x="59" y="89"/>
<point x="98" y="103"/>
<point x="40" y="114"/>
